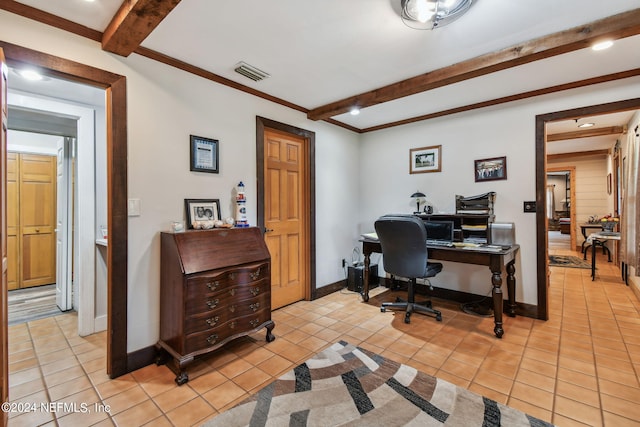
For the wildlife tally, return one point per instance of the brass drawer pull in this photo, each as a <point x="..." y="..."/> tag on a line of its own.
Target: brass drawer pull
<point x="213" y="321"/>
<point x="254" y="322"/>
<point x="232" y="276"/>
<point x="255" y="306"/>
<point x="213" y="285"/>
<point x="255" y="291"/>
<point x="212" y="303"/>
<point x="232" y="308"/>
<point x="232" y="325"/>
<point x="232" y="292"/>
<point x="212" y="338"/>
<point x="255" y="274"/>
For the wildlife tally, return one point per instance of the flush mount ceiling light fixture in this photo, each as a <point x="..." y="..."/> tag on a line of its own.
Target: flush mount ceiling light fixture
<point x="431" y="14"/>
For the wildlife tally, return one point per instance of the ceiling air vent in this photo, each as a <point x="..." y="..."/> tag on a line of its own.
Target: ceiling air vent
<point x="251" y="72"/>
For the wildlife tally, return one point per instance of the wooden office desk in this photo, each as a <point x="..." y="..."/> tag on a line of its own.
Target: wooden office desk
<point x="497" y="261"/>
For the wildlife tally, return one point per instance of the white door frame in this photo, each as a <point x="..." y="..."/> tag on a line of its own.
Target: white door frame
<point x="64" y="222"/>
<point x="85" y="244"/>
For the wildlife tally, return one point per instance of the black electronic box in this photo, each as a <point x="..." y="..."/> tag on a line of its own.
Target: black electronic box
<point x="355" y="277"/>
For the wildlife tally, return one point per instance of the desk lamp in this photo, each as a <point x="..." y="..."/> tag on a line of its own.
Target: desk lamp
<point x="419" y="198"/>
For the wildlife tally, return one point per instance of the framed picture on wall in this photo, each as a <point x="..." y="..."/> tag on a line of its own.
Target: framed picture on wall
<point x="204" y="154"/>
<point x="425" y="159"/>
<point x="491" y="169"/>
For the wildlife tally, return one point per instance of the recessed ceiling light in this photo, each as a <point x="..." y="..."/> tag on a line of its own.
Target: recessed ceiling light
<point x="31" y="75"/>
<point x="602" y="45"/>
<point x="354" y="111"/>
<point x="586" y="125"/>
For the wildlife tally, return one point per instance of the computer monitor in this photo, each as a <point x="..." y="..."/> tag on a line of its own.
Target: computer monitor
<point x="439" y="231"/>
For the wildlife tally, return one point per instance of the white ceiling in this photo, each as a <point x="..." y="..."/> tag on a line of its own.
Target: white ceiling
<point x="318" y="52"/>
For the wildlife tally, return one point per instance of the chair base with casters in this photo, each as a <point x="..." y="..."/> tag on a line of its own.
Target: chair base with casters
<point x="411" y="305"/>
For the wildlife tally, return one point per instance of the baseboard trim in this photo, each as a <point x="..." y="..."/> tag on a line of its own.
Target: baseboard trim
<point x="329" y="289"/>
<point x="141" y="358"/>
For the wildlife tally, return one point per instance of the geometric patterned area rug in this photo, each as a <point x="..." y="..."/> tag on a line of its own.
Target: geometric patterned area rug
<point x="348" y="386"/>
<point x="568" y="261"/>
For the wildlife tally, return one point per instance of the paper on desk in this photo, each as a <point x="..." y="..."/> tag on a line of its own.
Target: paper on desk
<point x="370" y="236"/>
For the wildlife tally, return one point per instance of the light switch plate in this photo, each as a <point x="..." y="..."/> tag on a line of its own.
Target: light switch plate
<point x="133" y="208"/>
<point x="530" y="206"/>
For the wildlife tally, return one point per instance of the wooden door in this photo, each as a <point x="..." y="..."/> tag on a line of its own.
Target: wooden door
<point x="284" y="211"/>
<point x="37" y="195"/>
<point x="4" y="333"/>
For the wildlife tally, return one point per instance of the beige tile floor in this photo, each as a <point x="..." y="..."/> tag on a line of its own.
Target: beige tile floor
<point x="580" y="368"/>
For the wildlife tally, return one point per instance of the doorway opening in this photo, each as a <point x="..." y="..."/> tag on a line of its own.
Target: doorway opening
<point x="560" y="214"/>
<point x="542" y="238"/>
<point x="31" y="224"/>
<point x="70" y="134"/>
<point x="114" y="86"/>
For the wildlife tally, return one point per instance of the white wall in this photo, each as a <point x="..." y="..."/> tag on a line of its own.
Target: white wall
<point x="34" y="143"/>
<point x="164" y="107"/>
<point x="506" y="130"/>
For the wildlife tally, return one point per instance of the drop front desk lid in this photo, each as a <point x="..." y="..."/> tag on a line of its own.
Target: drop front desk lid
<point x="203" y="250"/>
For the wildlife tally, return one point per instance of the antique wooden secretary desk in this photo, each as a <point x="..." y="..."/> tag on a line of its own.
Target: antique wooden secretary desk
<point x="215" y="286"/>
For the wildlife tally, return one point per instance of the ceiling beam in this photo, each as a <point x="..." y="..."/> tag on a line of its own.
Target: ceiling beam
<point x="566" y="156"/>
<point x="614" y="27"/>
<point x="511" y="98"/>
<point x="133" y="22"/>
<point x="587" y="133"/>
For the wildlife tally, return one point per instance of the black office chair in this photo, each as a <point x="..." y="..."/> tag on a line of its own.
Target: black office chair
<point x="404" y="250"/>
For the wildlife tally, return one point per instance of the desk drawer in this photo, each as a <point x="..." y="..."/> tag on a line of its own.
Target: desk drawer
<point x="232" y="295"/>
<point x="214" y="336"/>
<point x="228" y="311"/>
<point x="205" y="285"/>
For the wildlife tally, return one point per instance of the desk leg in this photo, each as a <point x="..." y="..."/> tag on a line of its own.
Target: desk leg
<point x="584" y="234"/>
<point x="496" y="281"/>
<point x="511" y="288"/>
<point x="593" y="260"/>
<point x="365" y="278"/>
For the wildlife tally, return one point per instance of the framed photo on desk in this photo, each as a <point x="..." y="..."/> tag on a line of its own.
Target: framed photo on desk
<point x="425" y="159"/>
